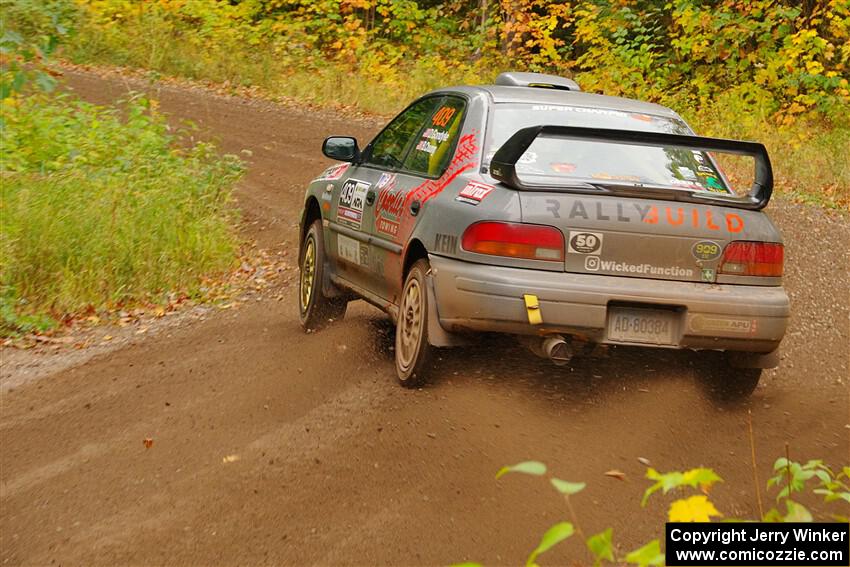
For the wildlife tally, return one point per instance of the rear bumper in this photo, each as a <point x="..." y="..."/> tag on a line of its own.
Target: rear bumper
<point x="479" y="297"/>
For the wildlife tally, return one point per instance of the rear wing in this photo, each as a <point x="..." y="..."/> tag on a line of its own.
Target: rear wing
<point x="503" y="164"/>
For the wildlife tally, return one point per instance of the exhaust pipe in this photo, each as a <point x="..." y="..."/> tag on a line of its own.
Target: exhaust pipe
<point x="556" y="349"/>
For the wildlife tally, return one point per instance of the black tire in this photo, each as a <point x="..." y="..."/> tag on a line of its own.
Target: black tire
<point x="314" y="309"/>
<point x="413" y="353"/>
<point x="729" y="384"/>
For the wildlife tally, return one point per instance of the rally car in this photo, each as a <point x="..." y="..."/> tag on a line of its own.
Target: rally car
<point x="566" y="218"/>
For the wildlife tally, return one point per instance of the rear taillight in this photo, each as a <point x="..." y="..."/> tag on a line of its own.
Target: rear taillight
<point x="742" y="258"/>
<point x="529" y="241"/>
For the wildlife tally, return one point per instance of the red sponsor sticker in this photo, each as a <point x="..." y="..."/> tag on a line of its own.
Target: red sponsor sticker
<point x="335" y="171"/>
<point x="386" y="226"/>
<point x="474" y="192"/>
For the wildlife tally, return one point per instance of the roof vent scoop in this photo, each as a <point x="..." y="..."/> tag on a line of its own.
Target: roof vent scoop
<point x="516" y="79"/>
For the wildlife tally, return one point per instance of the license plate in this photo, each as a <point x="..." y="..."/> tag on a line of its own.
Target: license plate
<point x="636" y="325"/>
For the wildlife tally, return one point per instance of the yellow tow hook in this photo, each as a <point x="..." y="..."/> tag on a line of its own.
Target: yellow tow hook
<point x="532" y="309"/>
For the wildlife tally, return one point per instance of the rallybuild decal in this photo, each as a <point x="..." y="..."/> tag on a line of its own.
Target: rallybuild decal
<point x="649" y="214"/>
<point x="352" y="198"/>
<point x="595" y="264"/>
<point x="474" y="192"/>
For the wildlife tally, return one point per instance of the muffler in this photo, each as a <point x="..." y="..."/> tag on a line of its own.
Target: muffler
<point x="556" y="349"/>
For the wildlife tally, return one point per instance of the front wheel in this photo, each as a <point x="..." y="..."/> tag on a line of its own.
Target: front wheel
<point x="412" y="350"/>
<point x="314" y="309"/>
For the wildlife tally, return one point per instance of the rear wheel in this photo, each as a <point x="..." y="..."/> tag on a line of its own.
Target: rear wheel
<point x="727" y="383"/>
<point x="412" y="350"/>
<point x="314" y="309"/>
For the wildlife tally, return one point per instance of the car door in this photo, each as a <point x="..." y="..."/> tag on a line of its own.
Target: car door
<point x="406" y="182"/>
<point x="352" y="215"/>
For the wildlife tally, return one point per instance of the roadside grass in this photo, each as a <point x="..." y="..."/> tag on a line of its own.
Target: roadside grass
<point x="105" y="207"/>
<point x="809" y="154"/>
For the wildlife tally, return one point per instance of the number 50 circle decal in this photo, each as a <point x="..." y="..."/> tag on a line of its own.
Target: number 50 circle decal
<point x="585" y="242"/>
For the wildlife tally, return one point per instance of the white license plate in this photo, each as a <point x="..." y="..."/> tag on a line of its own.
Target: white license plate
<point x="636" y="325"/>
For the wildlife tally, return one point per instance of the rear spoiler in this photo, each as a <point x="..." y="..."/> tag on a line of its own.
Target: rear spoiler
<point x="503" y="164"/>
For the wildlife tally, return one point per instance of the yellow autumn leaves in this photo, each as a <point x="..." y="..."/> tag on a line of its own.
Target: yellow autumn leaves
<point x="694" y="509"/>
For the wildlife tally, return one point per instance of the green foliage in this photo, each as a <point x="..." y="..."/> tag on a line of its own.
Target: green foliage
<point x="767" y="70"/>
<point x="567" y="488"/>
<point x="681" y="52"/>
<point x="601" y="545"/>
<point x="102" y="207"/>
<point x="649" y="554"/>
<point x="794" y="477"/>
<point x="100" y="210"/>
<point x="790" y="476"/>
<point x="535" y="468"/>
<point x="701" y="477"/>
<point x="553" y="536"/>
<point x="25" y="52"/>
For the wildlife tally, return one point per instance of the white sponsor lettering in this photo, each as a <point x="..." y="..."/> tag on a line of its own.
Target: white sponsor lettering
<point x="594" y="264"/>
<point x="436" y="135"/>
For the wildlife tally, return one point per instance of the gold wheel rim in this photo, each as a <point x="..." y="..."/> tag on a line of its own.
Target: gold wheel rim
<point x="410" y="324"/>
<point x="308" y="273"/>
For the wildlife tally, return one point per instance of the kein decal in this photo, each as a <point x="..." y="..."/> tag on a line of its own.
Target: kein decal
<point x="445" y="243"/>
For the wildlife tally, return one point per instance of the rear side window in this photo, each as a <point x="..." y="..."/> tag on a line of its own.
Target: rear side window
<point x="437" y="137"/>
<point x="393" y="144"/>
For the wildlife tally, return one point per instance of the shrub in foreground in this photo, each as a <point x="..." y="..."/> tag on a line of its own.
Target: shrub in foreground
<point x="813" y="479"/>
<point x="102" y="208"/>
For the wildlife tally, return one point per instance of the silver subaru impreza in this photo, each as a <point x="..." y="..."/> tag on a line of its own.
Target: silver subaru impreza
<point x="568" y="219"/>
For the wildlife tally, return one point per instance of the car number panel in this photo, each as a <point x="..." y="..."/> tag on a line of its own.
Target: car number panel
<point x="642" y="325"/>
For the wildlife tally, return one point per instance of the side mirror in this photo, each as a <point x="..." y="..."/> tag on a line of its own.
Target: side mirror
<point x="342" y="148"/>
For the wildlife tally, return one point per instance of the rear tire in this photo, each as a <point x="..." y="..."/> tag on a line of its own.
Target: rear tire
<point x="413" y="352"/>
<point x="314" y="309"/>
<point x="729" y="384"/>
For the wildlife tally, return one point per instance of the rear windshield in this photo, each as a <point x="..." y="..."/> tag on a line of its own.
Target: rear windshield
<point x="558" y="161"/>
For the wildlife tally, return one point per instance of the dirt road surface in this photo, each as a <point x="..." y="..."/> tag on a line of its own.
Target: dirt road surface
<point x="271" y="446"/>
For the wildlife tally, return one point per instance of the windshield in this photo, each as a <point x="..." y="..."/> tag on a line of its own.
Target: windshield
<point x="558" y="161"/>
